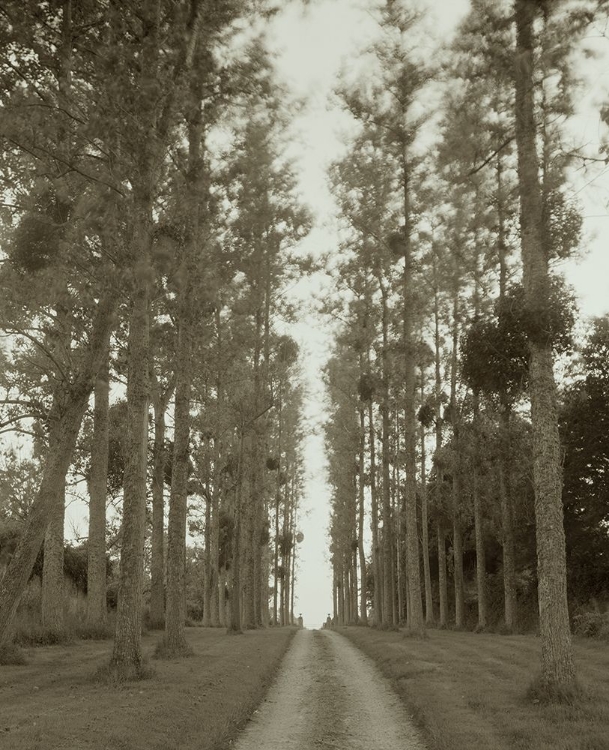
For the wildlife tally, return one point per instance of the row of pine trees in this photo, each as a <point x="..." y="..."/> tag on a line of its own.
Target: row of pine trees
<point x="457" y="209"/>
<point x="149" y="217"/>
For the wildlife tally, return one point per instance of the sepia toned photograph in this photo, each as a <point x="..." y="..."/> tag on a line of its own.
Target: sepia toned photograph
<point x="304" y="374"/>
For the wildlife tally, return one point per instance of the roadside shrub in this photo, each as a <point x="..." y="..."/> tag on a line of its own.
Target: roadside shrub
<point x="88" y="632"/>
<point x="592" y="625"/>
<point x="11" y="655"/>
<point x="38" y="635"/>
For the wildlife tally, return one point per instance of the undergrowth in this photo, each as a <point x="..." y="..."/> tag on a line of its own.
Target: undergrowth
<point x="11" y="655"/>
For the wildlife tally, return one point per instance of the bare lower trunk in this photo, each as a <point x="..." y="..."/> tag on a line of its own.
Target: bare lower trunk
<point x="429" y="615"/>
<point x="507" y="526"/>
<point x="234" y="624"/>
<point x="442" y="583"/>
<point x="53" y="593"/>
<point x="126" y="658"/>
<point x="478" y="526"/>
<point x="361" y="519"/>
<point x="157" y="542"/>
<point x="457" y="556"/>
<point x="556" y="649"/>
<point x="98" y="491"/>
<point x="377" y="597"/>
<point x="175" y="614"/>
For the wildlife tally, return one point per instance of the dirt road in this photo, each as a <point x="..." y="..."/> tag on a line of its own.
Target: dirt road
<point x="329" y="695"/>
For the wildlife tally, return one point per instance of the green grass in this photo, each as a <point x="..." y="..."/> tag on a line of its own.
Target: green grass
<point x="481" y="691"/>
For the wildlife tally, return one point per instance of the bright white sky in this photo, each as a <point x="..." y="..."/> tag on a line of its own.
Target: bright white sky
<point x="313" y="45"/>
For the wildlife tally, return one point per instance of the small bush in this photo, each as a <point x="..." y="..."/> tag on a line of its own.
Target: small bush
<point x="88" y="632"/>
<point x="592" y="625"/>
<point x="38" y="635"/>
<point x="11" y="655"/>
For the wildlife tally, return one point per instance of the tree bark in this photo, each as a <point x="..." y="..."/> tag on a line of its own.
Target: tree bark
<point x="175" y="614"/>
<point x="377" y="598"/>
<point x="126" y="661"/>
<point x="361" y="518"/>
<point x="442" y="583"/>
<point x="478" y="524"/>
<point x="157" y="551"/>
<point x="456" y="484"/>
<point x="53" y="585"/>
<point x="507" y="521"/>
<point x="387" y="612"/>
<point x="415" y="618"/>
<point x="558" y="670"/>
<point x="429" y="615"/>
<point x="441" y="531"/>
<point x="98" y="493"/>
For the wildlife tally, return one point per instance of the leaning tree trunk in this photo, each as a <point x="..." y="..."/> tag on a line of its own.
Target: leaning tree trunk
<point x="558" y="669"/>
<point x="66" y="419"/>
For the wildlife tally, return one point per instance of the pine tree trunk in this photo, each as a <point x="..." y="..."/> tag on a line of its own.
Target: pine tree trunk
<point x="442" y="582"/>
<point x="416" y="620"/>
<point x="126" y="661"/>
<point x="507" y="525"/>
<point x="157" y="551"/>
<point x="207" y="552"/>
<point x="429" y="615"/>
<point x="478" y="524"/>
<point x="98" y="493"/>
<point x="507" y="521"/>
<point x="361" y="519"/>
<point x="234" y="623"/>
<point x="456" y="484"/>
<point x="441" y="532"/>
<point x="558" y="670"/>
<point x="387" y="611"/>
<point x="53" y="588"/>
<point x="377" y="597"/>
<point x="457" y="555"/>
<point x="175" y="615"/>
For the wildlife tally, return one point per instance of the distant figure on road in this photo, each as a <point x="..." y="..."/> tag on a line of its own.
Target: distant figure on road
<point x="328" y="622"/>
<point x="299" y="621"/>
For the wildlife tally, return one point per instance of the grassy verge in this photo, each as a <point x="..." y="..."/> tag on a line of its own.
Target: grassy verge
<point x="197" y="702"/>
<point x="468" y="691"/>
